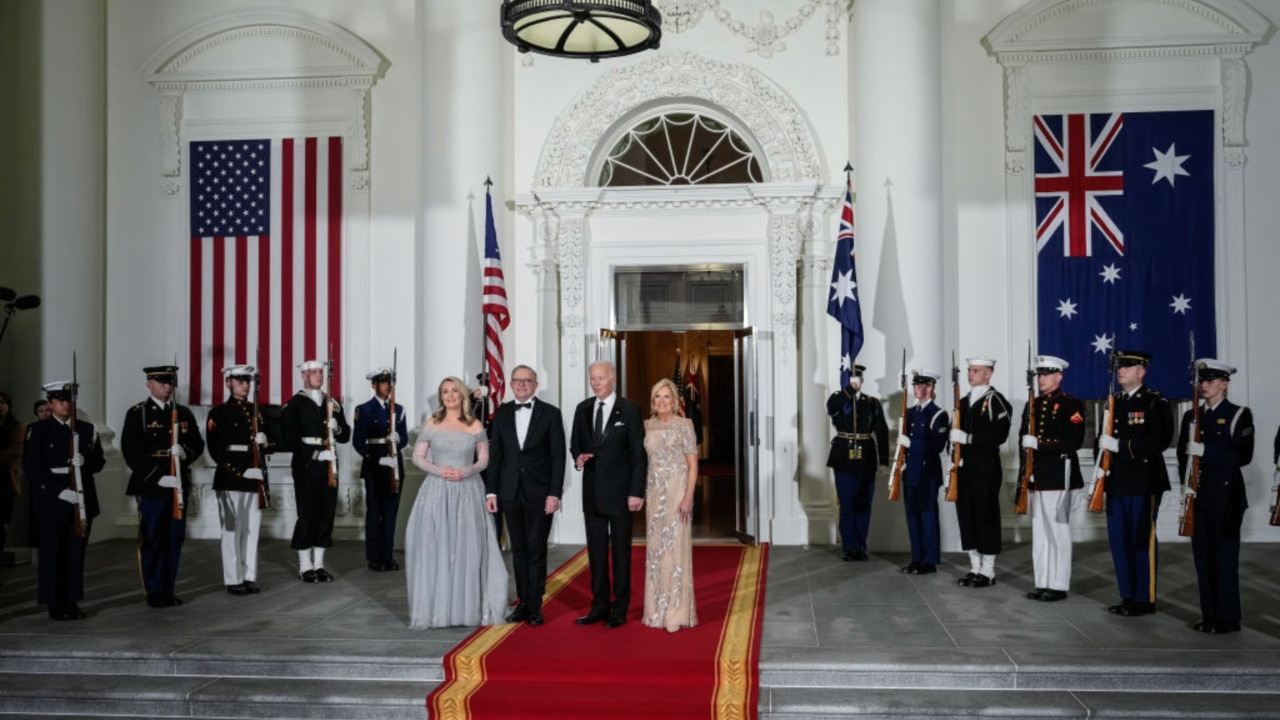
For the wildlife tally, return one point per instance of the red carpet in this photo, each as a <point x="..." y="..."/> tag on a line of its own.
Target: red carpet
<point x="562" y="670"/>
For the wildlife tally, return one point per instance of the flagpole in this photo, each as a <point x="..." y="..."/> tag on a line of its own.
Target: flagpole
<point x="484" y="328"/>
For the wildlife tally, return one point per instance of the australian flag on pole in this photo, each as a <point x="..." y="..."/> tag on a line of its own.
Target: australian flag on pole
<point x="843" y="305"/>
<point x="1125" y="242"/>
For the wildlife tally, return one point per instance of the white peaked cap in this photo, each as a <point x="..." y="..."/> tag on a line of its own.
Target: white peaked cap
<point x="311" y="365"/>
<point x="376" y="372"/>
<point x="1049" y="362"/>
<point x="928" y="373"/>
<point x="981" y="361"/>
<point x="238" y="370"/>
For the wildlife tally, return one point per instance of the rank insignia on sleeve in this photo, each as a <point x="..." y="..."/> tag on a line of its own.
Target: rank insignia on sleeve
<point x="1222" y="421"/>
<point x="1077" y="418"/>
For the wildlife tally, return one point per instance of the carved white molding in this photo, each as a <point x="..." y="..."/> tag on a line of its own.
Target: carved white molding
<point x="173" y="71"/>
<point x="764" y="37"/>
<point x="1235" y="91"/>
<point x="777" y="123"/>
<point x="787" y="229"/>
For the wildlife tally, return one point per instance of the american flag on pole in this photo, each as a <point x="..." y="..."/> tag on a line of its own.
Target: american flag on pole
<point x="843" y="305"/>
<point x="496" y="315"/>
<point x="266" y="261"/>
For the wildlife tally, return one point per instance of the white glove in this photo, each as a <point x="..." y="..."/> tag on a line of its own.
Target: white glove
<point x="1275" y="481"/>
<point x="1109" y="443"/>
<point x="333" y="424"/>
<point x="394" y="438"/>
<point x="904" y="441"/>
<point x="69" y="495"/>
<point x="170" y="481"/>
<point x="1188" y="491"/>
<point x="260" y="438"/>
<point x="1031" y="442"/>
<point x="325" y="456"/>
<point x="480" y="392"/>
<point x="1195" y="449"/>
<point x="1098" y="473"/>
<point x="77" y="460"/>
<point x="178" y="452"/>
<point x="959" y="437"/>
<point x="387" y="462"/>
<point x="253" y="474"/>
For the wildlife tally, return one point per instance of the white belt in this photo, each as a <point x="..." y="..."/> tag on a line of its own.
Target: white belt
<point x="313" y="441"/>
<point x="376" y="441"/>
<point x="60" y="471"/>
<point x="237" y="448"/>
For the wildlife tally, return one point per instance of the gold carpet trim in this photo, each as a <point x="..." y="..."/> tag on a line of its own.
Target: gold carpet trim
<point x="453" y="703"/>
<point x="733" y="657"/>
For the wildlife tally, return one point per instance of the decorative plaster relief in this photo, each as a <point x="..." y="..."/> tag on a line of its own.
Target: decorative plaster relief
<point x="765" y="36"/>
<point x="769" y="114"/>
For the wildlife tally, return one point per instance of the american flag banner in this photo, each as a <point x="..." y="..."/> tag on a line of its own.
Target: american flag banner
<point x="844" y="305"/>
<point x="494" y="304"/>
<point x="266" y="261"/>
<point x="1125" y="242"/>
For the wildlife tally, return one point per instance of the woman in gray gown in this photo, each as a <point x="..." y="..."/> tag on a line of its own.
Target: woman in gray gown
<point x="453" y="564"/>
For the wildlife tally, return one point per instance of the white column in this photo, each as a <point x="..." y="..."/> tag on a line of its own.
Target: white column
<point x="898" y="180"/>
<point x="466" y="70"/>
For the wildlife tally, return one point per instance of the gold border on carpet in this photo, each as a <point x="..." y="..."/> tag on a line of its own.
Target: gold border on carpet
<point x="733" y="658"/>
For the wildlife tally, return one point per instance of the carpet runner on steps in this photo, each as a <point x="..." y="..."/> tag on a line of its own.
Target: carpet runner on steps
<point x="562" y="670"/>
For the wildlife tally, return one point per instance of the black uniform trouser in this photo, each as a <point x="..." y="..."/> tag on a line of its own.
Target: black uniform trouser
<point x="609" y="538"/>
<point x="1215" y="544"/>
<point x="978" y="508"/>
<point x="381" y="507"/>
<point x="528" y="525"/>
<point x="317" y="503"/>
<point x="60" y="557"/>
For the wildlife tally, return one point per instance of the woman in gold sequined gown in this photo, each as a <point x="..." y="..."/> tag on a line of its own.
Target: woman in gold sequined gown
<point x="673" y="474"/>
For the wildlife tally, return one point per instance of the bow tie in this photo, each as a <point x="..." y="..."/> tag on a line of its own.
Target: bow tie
<point x="524" y="406"/>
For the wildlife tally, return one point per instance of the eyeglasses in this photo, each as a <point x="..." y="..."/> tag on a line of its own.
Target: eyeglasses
<point x="522" y="381"/>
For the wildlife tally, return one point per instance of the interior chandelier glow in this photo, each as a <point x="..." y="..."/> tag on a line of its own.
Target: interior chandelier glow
<point x="590" y="29"/>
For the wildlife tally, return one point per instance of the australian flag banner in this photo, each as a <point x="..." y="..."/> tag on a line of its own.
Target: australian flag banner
<point x="843" y="304"/>
<point x="1125" y="243"/>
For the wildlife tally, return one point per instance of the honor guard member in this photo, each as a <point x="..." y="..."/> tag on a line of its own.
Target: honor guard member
<point x="306" y="435"/>
<point x="236" y="481"/>
<point x="1142" y="428"/>
<point x="373" y="437"/>
<point x="924" y="435"/>
<point x="1226" y="446"/>
<point x="148" y="447"/>
<point x="860" y="446"/>
<point x="50" y="466"/>
<point x="985" y="419"/>
<point x="1056" y="472"/>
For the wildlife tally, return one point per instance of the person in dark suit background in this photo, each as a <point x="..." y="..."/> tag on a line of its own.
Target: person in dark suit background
<point x="526" y="473"/>
<point x="607" y="445"/>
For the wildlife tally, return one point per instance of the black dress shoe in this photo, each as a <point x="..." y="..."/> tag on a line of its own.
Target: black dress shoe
<point x="535" y="619"/>
<point x="967" y="580"/>
<point x="981" y="581"/>
<point x="925" y="569"/>
<point x="846" y="556"/>
<point x="615" y="621"/>
<point x="173" y="600"/>
<point x="377" y="566"/>
<point x="1119" y="609"/>
<point x="309" y="576"/>
<point x="323" y="575"/>
<point x="591" y="617"/>
<point x="1221" y="628"/>
<point x="1054" y="595"/>
<point x="72" y="612"/>
<point x="909" y="568"/>
<point x="1203" y="626"/>
<point x="860" y="556"/>
<point x="238" y="589"/>
<point x="520" y="614"/>
<point x="156" y="601"/>
<point x="390" y="566"/>
<point x="251" y="587"/>
<point x="1138" y="609"/>
<point x="1037" y="594"/>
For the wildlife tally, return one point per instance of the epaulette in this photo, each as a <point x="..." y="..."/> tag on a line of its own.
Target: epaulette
<point x="139" y="406"/>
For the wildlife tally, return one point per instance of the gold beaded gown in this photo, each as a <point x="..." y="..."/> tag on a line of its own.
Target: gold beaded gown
<point x="668" y="573"/>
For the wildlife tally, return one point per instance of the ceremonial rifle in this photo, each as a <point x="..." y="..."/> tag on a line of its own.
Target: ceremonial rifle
<point x="392" y="450"/>
<point x="1096" y="500"/>
<point x="1275" y="509"/>
<point x="175" y="465"/>
<point x="1187" y="522"/>
<point x="77" y="481"/>
<point x="895" y="480"/>
<point x="328" y="419"/>
<point x="1029" y="456"/>
<point x="953" y="479"/>
<point x="264" y="499"/>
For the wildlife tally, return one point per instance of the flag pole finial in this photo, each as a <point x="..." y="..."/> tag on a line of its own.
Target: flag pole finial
<point x="848" y="167"/>
<point x="487" y="183"/>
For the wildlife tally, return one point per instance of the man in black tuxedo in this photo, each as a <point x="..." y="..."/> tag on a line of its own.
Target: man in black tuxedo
<point x="608" y="446"/>
<point x="526" y="472"/>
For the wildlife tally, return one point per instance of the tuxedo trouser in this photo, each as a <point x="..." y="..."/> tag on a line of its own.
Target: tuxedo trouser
<point x="855" y="492"/>
<point x="921" y="506"/>
<point x="1131" y="531"/>
<point x="381" y="507"/>
<point x="1215" y="544"/>
<point x="159" y="543"/>
<point x="609" y="537"/>
<point x="241" y="519"/>
<point x="317" y="503"/>
<point x="60" y="554"/>
<point x="528" y="525"/>
<point x="1050" y="540"/>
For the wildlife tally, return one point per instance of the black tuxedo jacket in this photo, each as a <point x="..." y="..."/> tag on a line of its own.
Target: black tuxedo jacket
<point x="617" y="470"/>
<point x="536" y="469"/>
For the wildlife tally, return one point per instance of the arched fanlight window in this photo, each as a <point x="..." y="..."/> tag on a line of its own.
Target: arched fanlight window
<point x="680" y="148"/>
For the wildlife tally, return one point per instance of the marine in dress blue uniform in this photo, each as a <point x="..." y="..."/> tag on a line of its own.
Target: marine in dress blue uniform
<point x="147" y="444"/>
<point x="1143" y="427"/>
<point x="49" y="464"/>
<point x="373" y="437"/>
<point x="1056" y="472"/>
<point x="925" y="437"/>
<point x="985" y="419"/>
<point x="236" y="481"/>
<point x="860" y="447"/>
<point x="1226" y="446"/>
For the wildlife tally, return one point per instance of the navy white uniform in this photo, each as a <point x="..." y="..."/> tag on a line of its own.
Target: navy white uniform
<point x="145" y="442"/>
<point x="371" y="438"/>
<point x="304" y="432"/>
<point x="229" y="429"/>
<point x="1227" y="433"/>
<point x="926" y="426"/>
<point x="46" y="458"/>
<point x="860" y="447"/>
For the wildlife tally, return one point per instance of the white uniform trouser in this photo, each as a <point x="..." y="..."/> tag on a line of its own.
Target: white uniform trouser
<point x="240" y="518"/>
<point x="1051" y="538"/>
